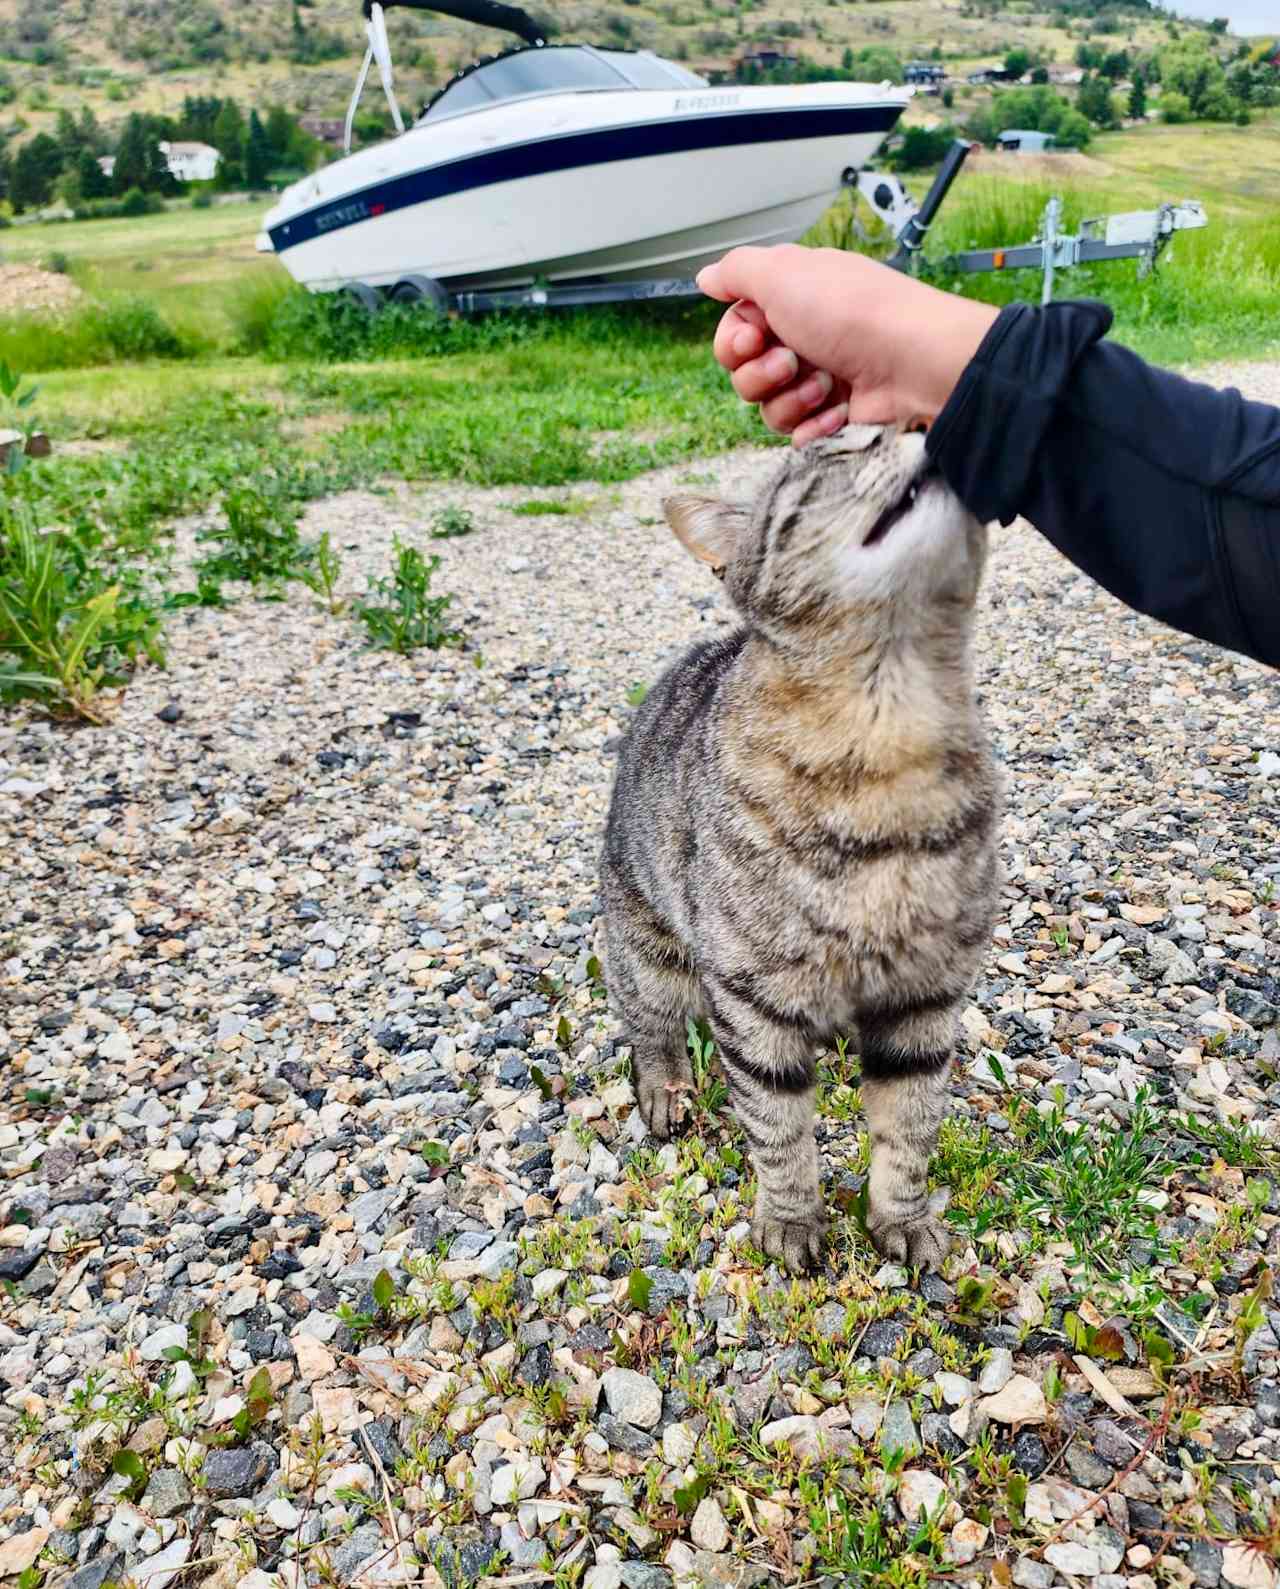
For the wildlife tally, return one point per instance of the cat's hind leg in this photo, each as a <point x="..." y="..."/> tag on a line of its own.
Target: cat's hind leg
<point x="768" y="1060"/>
<point x="654" y="992"/>
<point x="906" y="1056"/>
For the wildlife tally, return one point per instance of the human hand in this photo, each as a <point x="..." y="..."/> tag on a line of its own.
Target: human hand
<point x="818" y="338"/>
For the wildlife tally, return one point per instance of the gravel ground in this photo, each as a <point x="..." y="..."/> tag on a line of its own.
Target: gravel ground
<point x="302" y="909"/>
<point x="29" y="290"/>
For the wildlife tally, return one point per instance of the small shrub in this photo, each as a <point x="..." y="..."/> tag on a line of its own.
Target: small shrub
<point x="451" y="521"/>
<point x="58" y="263"/>
<point x="1174" y="107"/>
<point x="202" y="200"/>
<point x="259" y="542"/>
<point x="70" y="620"/>
<point x="134" y="203"/>
<point x="407" y="616"/>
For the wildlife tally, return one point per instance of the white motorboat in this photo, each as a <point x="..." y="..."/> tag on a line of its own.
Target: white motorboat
<point x="567" y="164"/>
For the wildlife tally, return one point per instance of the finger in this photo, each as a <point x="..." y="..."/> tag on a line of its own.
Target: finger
<point x="734" y="276"/>
<point x="826" y="423"/>
<point x="739" y="336"/>
<point x="789" y="408"/>
<point x="762" y="378"/>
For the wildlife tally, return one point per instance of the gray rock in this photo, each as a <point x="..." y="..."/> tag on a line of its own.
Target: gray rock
<point x="634" y="1398"/>
<point x="668" y="1287"/>
<point x="1087" y="1468"/>
<point x="624" y="1437"/>
<point x="1205" y="1563"/>
<point x="109" y="1565"/>
<point x="469" y="1244"/>
<point x="348" y="1558"/>
<point x="898" y="1430"/>
<point x="1251" y="1006"/>
<point x="167" y="1492"/>
<point x="644" y="1575"/>
<point x="237" y="1472"/>
<point x="1028" y="1573"/>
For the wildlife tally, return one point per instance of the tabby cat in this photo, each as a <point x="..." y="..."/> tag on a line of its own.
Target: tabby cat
<point x="802" y="836"/>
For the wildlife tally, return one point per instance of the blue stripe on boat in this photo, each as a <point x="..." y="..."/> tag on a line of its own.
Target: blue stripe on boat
<point x="637" y="141"/>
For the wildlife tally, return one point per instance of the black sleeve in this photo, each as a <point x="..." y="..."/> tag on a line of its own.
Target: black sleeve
<point x="1165" y="491"/>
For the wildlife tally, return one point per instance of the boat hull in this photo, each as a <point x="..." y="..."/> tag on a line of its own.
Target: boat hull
<point x="581" y="187"/>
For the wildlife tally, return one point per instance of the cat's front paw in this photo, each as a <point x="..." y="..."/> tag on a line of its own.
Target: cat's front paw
<point x="795" y="1243"/>
<point x="662" y="1104"/>
<point x="921" y="1243"/>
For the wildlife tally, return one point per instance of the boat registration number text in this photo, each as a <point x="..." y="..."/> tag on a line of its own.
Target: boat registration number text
<point x="706" y="101"/>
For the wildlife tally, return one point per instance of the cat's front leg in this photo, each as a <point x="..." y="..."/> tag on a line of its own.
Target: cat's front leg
<point x="906" y="1056"/>
<point x="770" y="1069"/>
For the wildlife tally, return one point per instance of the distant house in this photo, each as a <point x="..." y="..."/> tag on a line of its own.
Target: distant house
<point x="765" y="61"/>
<point x="1019" y="140"/>
<point x="992" y="74"/>
<point x="329" y="129"/>
<point x="191" y="162"/>
<point x="1066" y="75"/>
<point x="928" y="74"/>
<point x="107" y="163"/>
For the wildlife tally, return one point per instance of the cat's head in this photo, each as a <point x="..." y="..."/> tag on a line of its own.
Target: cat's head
<point x="852" y="533"/>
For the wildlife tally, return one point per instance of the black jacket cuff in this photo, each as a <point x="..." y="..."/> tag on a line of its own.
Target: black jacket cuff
<point x="986" y="438"/>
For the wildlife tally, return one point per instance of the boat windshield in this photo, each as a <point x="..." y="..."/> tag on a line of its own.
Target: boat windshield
<point x="574" y="68"/>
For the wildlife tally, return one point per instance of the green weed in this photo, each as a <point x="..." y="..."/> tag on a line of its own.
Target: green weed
<point x="407" y="616"/>
<point x="451" y="521"/>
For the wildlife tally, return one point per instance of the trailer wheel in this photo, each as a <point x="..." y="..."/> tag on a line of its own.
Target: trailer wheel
<point x="361" y="293"/>
<point x="421" y="289"/>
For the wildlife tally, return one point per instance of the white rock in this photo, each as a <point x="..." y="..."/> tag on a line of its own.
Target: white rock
<point x="516" y="1481"/>
<point x="709" y="1529"/>
<point x="1077" y="1561"/>
<point x="955" y="1387"/>
<point x="996" y="1372"/>
<point x="158" y="1571"/>
<point x="1245" y="1568"/>
<point x="678" y="1445"/>
<point x="967" y="1538"/>
<point x="1020" y="1401"/>
<point x="920" y="1492"/>
<point x="117" y="1045"/>
<point x="283" y="1513"/>
<point x="604" y="1575"/>
<point x="632" y="1397"/>
<point x="547" y="1282"/>
<point x="157" y="1343"/>
<point x="602" y="1165"/>
<point x="1268" y="767"/>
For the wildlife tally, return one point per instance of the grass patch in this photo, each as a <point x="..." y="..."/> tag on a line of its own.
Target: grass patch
<point x="1050" y="1179"/>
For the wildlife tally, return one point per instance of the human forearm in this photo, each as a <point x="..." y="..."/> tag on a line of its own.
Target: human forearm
<point x="1164" y="491"/>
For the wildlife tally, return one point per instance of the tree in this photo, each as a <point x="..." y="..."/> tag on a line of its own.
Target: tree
<point x="1138" y="97"/>
<point x="257" y="157"/>
<point x="6" y="172"/>
<point x="846" y="60"/>
<point x="1174" y="106"/>
<point x="90" y="132"/>
<point x="36" y="167"/>
<point x="68" y="138"/>
<point x="93" y="179"/>
<point x="922" y="147"/>
<point x="1116" y="65"/>
<point x="227" y="138"/>
<point x="1017" y="62"/>
<point x="1039" y="74"/>
<point x="1191" y="68"/>
<point x="133" y="168"/>
<point x="281" y="131"/>
<point x="1094" y="100"/>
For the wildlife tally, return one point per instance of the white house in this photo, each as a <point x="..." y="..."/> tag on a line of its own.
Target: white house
<point x="191" y="162"/>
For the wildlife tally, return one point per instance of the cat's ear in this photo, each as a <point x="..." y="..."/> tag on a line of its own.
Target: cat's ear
<point x="708" y="528"/>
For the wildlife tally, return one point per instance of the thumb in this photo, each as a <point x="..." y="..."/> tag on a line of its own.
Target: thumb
<point x="737" y="275"/>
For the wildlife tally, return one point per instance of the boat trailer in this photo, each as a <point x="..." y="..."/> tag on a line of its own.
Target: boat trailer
<point x="1135" y="234"/>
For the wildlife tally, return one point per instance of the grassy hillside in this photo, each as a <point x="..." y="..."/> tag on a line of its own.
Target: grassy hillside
<point x="121" y="55"/>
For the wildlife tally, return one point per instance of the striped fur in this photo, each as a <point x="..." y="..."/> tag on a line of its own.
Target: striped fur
<point x="802" y="834"/>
